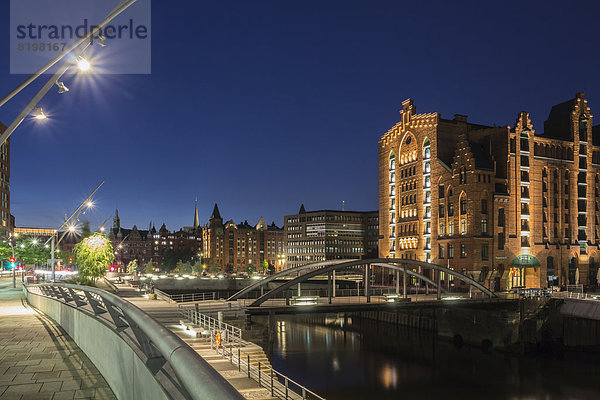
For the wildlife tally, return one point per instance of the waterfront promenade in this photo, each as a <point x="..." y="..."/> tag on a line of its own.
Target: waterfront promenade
<point x="168" y="315"/>
<point x="38" y="360"/>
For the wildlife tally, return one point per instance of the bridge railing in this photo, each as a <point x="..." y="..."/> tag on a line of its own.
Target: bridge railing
<point x="185" y="297"/>
<point x="231" y="333"/>
<point x="178" y="369"/>
<point x="278" y="384"/>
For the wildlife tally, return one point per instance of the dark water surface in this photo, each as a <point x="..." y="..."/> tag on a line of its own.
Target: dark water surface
<point x="381" y="361"/>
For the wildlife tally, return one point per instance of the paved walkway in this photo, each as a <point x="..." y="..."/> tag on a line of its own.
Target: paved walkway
<point x="168" y="315"/>
<point x="38" y="360"/>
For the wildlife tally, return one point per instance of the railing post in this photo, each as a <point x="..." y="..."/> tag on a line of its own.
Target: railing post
<point x="259" y="385"/>
<point x="272" y="382"/>
<point x="248" y="365"/>
<point x="286" y="388"/>
<point x="239" y="361"/>
<point x="303" y="393"/>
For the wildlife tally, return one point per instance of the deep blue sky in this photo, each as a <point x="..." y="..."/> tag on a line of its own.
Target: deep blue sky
<point x="263" y="105"/>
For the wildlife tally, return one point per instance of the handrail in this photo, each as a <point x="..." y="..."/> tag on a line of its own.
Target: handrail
<point x="185" y="297"/>
<point x="155" y="340"/>
<point x="277" y="383"/>
<point x="232" y="333"/>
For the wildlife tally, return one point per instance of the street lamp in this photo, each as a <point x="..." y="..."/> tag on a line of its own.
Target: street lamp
<point x="70" y="229"/>
<point x="39" y="114"/>
<point x="83" y="64"/>
<point x="77" y="47"/>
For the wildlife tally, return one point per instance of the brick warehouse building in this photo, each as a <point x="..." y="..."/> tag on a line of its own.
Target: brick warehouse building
<point x="233" y="247"/>
<point x="505" y="205"/>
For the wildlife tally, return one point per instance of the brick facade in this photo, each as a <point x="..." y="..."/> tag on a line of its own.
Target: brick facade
<point x="233" y="247"/>
<point x="505" y="205"/>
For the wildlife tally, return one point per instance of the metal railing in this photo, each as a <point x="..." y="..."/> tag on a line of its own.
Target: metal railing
<point x="577" y="295"/>
<point x="158" y="344"/>
<point x="185" y="297"/>
<point x="229" y="332"/>
<point x="275" y="382"/>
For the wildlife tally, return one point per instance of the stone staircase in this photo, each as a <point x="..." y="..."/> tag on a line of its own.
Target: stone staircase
<point x="169" y="316"/>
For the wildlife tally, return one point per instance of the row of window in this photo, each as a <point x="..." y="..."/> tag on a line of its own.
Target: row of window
<point x="463" y="251"/>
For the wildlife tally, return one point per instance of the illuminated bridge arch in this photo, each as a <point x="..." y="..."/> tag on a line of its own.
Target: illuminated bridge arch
<point x="324" y="267"/>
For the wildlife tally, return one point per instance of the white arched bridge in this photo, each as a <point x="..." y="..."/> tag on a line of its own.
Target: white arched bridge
<point x="399" y="266"/>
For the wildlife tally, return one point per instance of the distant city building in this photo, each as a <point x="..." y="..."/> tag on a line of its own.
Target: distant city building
<point x="6" y="219"/>
<point x="233" y="247"/>
<point x="321" y="235"/>
<point x="67" y="244"/>
<point x="130" y="244"/>
<point x="149" y="245"/>
<point x="507" y="206"/>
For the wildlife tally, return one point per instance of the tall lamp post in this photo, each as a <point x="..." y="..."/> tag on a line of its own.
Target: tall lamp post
<point x="78" y="48"/>
<point x="69" y="223"/>
<point x="11" y="238"/>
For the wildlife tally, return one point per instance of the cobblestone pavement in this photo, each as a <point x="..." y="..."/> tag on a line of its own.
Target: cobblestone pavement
<point x="38" y="360"/>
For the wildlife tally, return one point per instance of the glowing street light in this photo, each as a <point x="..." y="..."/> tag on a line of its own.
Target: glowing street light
<point x="39" y="114"/>
<point x="90" y="204"/>
<point x="83" y="64"/>
<point x="72" y="228"/>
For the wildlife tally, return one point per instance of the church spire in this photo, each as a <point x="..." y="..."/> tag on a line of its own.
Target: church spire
<point x="196" y="219"/>
<point x="116" y="220"/>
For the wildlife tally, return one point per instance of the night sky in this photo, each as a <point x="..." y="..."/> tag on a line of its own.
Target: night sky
<point x="263" y="105"/>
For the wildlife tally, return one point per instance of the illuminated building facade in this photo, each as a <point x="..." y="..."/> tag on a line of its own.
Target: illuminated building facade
<point x="321" y="235"/>
<point x="233" y="247"/>
<point x="505" y="205"/>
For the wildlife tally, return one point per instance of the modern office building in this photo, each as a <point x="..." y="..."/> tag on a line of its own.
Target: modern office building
<point x="321" y="235"/>
<point x="509" y="206"/>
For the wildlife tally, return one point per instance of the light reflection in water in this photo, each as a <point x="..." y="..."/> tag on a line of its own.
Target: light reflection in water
<point x="352" y="360"/>
<point x="388" y="376"/>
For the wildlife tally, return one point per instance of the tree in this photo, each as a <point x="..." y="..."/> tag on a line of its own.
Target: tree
<point x="264" y="266"/>
<point x="250" y="269"/>
<point x="197" y="268"/>
<point x="168" y="260"/>
<point x="185" y="254"/>
<point x="184" y="267"/>
<point x="149" y="267"/>
<point x="132" y="267"/>
<point x="214" y="269"/>
<point x="93" y="255"/>
<point x="31" y="252"/>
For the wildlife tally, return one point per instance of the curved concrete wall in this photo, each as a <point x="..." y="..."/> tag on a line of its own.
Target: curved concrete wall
<point x="118" y="363"/>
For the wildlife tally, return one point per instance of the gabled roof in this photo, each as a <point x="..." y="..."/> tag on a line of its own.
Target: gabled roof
<point x="216" y="214"/>
<point x="558" y="124"/>
<point x="483" y="160"/>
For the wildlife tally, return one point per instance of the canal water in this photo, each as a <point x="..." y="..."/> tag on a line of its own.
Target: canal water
<point x="346" y="360"/>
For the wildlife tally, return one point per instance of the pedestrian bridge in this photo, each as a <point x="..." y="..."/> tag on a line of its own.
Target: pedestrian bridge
<point x="428" y="273"/>
<point x="139" y="357"/>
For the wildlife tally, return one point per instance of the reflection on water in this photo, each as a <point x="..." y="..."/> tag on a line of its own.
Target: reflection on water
<point x="366" y="360"/>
